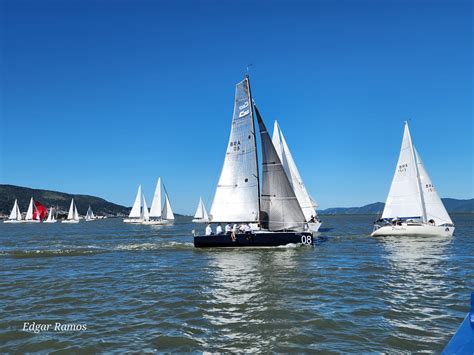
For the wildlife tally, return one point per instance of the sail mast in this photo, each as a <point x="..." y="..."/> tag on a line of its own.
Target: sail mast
<point x="256" y="151"/>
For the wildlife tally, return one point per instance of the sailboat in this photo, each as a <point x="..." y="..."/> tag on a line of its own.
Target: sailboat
<point x="272" y="215"/>
<point x="73" y="215"/>
<point x="15" y="214"/>
<point x="32" y="214"/>
<point x="50" y="218"/>
<point x="201" y="214"/>
<point x="135" y="215"/>
<point x="307" y="204"/>
<point x="158" y="215"/>
<point x="413" y="207"/>
<point x="90" y="215"/>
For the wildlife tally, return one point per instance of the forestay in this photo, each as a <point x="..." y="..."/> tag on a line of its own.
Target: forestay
<point x="404" y="198"/>
<point x="307" y="204"/>
<point x="280" y="208"/>
<point x="434" y="207"/>
<point x="236" y="197"/>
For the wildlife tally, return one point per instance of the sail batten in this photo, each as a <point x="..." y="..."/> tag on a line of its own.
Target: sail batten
<point x="236" y="198"/>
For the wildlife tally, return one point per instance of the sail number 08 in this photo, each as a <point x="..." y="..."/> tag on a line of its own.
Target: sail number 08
<point x="306" y="239"/>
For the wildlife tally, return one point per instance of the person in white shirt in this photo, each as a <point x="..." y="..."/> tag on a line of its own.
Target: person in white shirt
<point x="228" y="228"/>
<point x="208" y="229"/>
<point x="219" y="229"/>
<point x="234" y="228"/>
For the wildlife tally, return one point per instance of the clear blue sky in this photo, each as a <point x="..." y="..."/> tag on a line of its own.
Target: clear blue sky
<point x="100" y="96"/>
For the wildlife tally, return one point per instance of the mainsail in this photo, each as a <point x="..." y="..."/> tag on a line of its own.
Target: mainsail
<point x="236" y="198"/>
<point x="136" y="209"/>
<point x="15" y="214"/>
<point x="167" y="212"/>
<point x="29" y="212"/>
<point x="434" y="207"/>
<point x="306" y="202"/>
<point x="155" y="210"/>
<point x="404" y="198"/>
<point x="70" y="215"/>
<point x="50" y="215"/>
<point x="201" y="212"/>
<point x="280" y="208"/>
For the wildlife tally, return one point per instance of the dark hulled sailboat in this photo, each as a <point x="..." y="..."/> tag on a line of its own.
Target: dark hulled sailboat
<point x="274" y="211"/>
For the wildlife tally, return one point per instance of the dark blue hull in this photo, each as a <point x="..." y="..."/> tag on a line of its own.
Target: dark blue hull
<point x="463" y="341"/>
<point x="261" y="239"/>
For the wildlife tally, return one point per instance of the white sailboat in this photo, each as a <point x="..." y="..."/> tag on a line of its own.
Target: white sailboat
<point x="29" y="213"/>
<point x="201" y="215"/>
<point x="50" y="218"/>
<point x="413" y="207"/>
<point x="73" y="215"/>
<point x="270" y="216"/>
<point x="15" y="214"/>
<point x="135" y="215"/>
<point x="157" y="215"/>
<point x="307" y="204"/>
<point x="90" y="215"/>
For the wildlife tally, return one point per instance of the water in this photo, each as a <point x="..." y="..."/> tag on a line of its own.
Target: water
<point x="146" y="288"/>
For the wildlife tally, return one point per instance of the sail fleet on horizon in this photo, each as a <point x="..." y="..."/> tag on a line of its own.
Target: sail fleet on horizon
<point x="272" y="202"/>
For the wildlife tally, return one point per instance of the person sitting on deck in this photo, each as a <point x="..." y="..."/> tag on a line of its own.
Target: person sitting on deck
<point x="242" y="228"/>
<point x="219" y="229"/>
<point x="247" y="228"/>
<point x="432" y="222"/>
<point x="228" y="228"/>
<point x="312" y="219"/>
<point x="234" y="228"/>
<point x="208" y="229"/>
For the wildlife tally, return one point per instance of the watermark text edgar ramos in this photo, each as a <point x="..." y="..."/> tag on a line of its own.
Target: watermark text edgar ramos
<point x="59" y="327"/>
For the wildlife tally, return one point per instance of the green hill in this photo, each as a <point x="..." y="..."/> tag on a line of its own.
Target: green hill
<point x="8" y="194"/>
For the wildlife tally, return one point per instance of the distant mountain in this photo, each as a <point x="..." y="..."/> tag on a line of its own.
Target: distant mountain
<point x="8" y="194"/>
<point x="451" y="204"/>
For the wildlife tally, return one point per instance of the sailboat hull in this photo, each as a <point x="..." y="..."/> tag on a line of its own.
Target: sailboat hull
<point x="70" y="221"/>
<point x="259" y="239"/>
<point x="200" y="220"/>
<point x="50" y="221"/>
<point x="159" y="222"/>
<point x="13" y="221"/>
<point x="314" y="226"/>
<point x="132" y="220"/>
<point x="414" y="230"/>
<point x="31" y="221"/>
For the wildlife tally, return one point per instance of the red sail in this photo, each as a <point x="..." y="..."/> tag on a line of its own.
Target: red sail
<point x="40" y="210"/>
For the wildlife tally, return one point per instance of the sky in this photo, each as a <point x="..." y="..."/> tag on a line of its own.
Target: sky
<point x="97" y="97"/>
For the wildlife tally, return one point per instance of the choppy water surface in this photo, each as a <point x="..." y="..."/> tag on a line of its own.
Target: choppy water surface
<point x="147" y="288"/>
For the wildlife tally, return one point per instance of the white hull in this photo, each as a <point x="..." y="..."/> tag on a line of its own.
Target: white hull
<point x="414" y="230"/>
<point x="50" y="221"/>
<point x="13" y="221"/>
<point x="132" y="220"/>
<point x="314" y="226"/>
<point x="162" y="222"/>
<point x="71" y="221"/>
<point x="200" y="220"/>
<point x="31" y="221"/>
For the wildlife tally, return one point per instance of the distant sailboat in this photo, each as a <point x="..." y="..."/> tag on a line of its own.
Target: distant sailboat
<point x="90" y="215"/>
<point x="73" y="215"/>
<point x="307" y="204"/>
<point x="157" y="215"/>
<point x="413" y="207"/>
<point x="50" y="218"/>
<point x="273" y="214"/>
<point x="32" y="214"/>
<point x="135" y="215"/>
<point x="201" y="215"/>
<point x="15" y="214"/>
<point x="145" y="213"/>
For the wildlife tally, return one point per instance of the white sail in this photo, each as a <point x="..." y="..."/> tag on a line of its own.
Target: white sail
<point x="76" y="214"/>
<point x="201" y="212"/>
<point x="145" y="213"/>
<point x="29" y="213"/>
<point x="280" y="208"/>
<point x="236" y="196"/>
<point x="155" y="210"/>
<point x="434" y="207"/>
<point x="70" y="215"/>
<point x="90" y="214"/>
<point x="307" y="204"/>
<point x="136" y="209"/>
<point x="15" y="213"/>
<point x="167" y="212"/>
<point x="50" y="215"/>
<point x="404" y="198"/>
